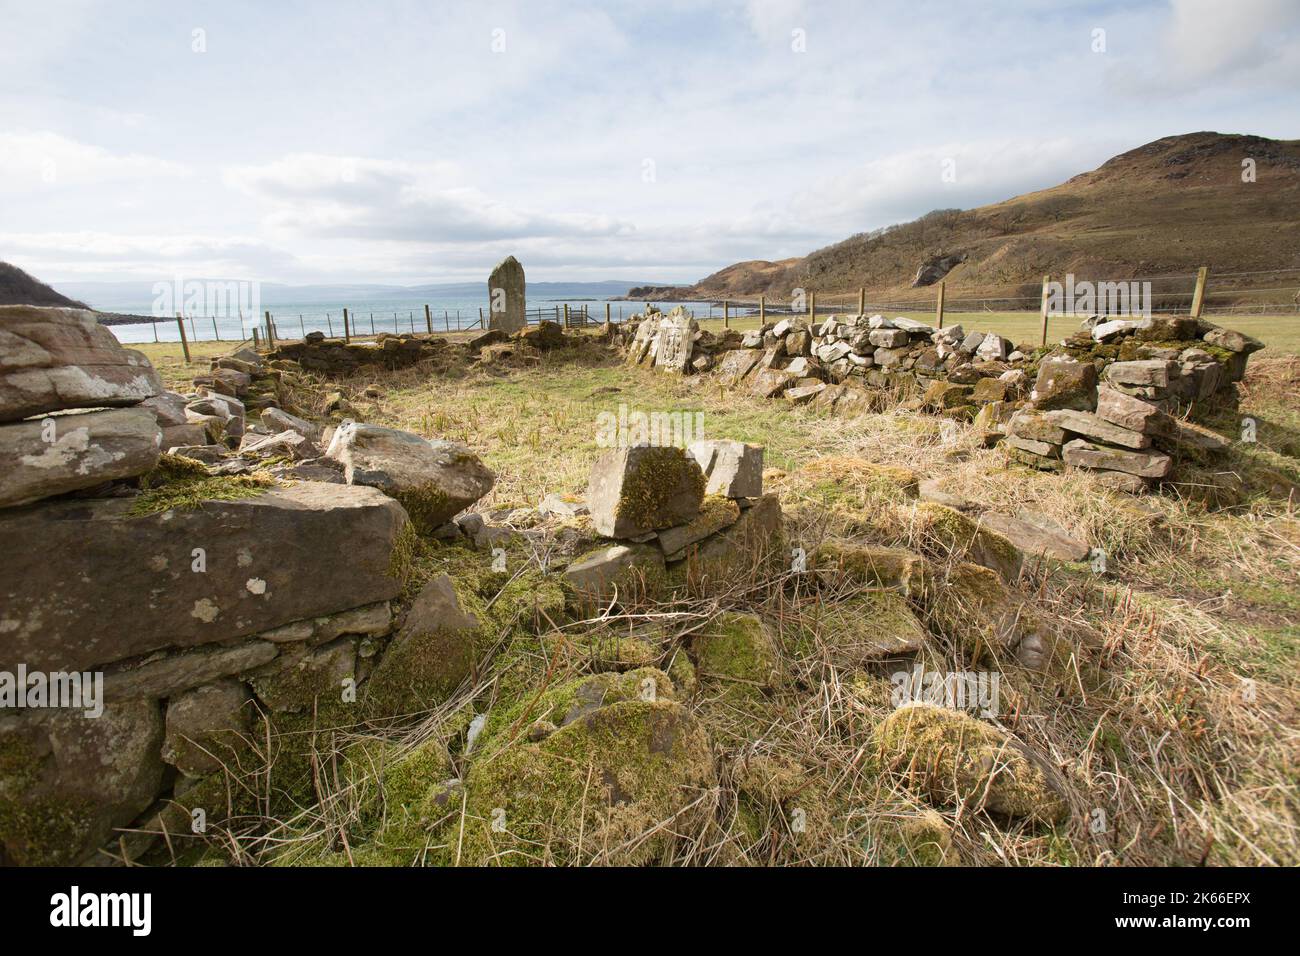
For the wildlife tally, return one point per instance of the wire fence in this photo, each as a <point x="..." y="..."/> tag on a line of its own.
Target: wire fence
<point x="1257" y="292"/>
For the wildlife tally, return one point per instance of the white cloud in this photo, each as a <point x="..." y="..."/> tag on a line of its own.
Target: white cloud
<point x="30" y="157"/>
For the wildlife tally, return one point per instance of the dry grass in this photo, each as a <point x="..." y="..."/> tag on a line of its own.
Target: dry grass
<point x="1170" y="712"/>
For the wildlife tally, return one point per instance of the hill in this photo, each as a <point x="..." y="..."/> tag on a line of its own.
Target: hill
<point x="1164" y="208"/>
<point x="19" y="288"/>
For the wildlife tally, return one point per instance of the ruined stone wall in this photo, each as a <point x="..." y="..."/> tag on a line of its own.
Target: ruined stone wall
<point x="1114" y="398"/>
<point x="195" y="584"/>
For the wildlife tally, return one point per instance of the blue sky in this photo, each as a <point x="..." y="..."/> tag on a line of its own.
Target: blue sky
<point x="423" y="142"/>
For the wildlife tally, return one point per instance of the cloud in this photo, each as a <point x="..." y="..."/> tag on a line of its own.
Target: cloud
<point x="29" y="157"/>
<point x="348" y="197"/>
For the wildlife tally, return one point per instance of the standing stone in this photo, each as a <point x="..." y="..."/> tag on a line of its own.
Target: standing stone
<point x="645" y="339"/>
<point x="506" y="296"/>
<point x="676" y="340"/>
<point x="46" y="457"/>
<point x="634" y="491"/>
<point x="54" y="358"/>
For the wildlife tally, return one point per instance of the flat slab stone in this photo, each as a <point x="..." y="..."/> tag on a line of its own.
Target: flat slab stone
<point x="1092" y="426"/>
<point x="51" y="456"/>
<point x="1034" y="534"/>
<point x="1144" y="464"/>
<point x="85" y="582"/>
<point x="53" y="359"/>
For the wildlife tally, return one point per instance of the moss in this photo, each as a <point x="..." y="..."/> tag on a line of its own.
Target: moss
<point x="682" y="672"/>
<point x="916" y="839"/>
<point x="188" y="493"/>
<point x="599" y="787"/>
<point x="172" y="468"/>
<point x="950" y="534"/>
<point x="868" y="627"/>
<point x="951" y="757"/>
<point x="854" y="483"/>
<point x="600" y="650"/>
<point x="47" y="830"/>
<point x="657" y="477"/>
<point x="736" y="648"/>
<point x="428" y="507"/>
<point x="871" y="565"/>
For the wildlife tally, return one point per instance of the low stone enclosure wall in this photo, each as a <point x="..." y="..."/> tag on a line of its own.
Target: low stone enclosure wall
<point x="183" y="574"/>
<point x="1118" y="397"/>
<point x="199" y="587"/>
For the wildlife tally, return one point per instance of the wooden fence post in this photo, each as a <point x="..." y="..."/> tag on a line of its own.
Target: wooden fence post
<point x="347" y="328"/>
<point x="862" y="301"/>
<point x="270" y="331"/>
<point x="938" y="307"/>
<point x="216" y="333"/>
<point x="607" y="313"/>
<point x="301" y="327"/>
<point x="812" y="308"/>
<point x="1043" y="312"/>
<point x="566" y="315"/>
<point x="428" y="319"/>
<point x="726" y="314"/>
<point x="257" y="342"/>
<point x="185" y="343"/>
<point x="1198" y="297"/>
<point x="762" y="311"/>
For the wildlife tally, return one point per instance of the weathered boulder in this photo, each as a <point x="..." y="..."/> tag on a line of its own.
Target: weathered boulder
<point x="716" y="513"/>
<point x="308" y="679"/>
<point x="73" y="573"/>
<point x="736" y="648"/>
<point x="165" y="675"/>
<point x="633" y="491"/>
<point x="1064" y="382"/>
<point x="54" y="358"/>
<point x="506" y="296"/>
<point x="50" y="456"/>
<point x="1233" y="341"/>
<point x="1144" y="464"/>
<point x="676" y="340"/>
<point x="952" y="535"/>
<point x="434" y="480"/>
<point x="754" y="542"/>
<point x="67" y="780"/>
<point x="278" y="420"/>
<point x="736" y="364"/>
<point x="871" y="626"/>
<point x="1129" y="412"/>
<point x="433" y="652"/>
<point x="951" y="757"/>
<point x="731" y="468"/>
<point x="1149" y="372"/>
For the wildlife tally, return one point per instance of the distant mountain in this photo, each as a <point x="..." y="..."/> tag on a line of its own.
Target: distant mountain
<point x="134" y="294"/>
<point x="1163" y="208"/>
<point x="19" y="288"/>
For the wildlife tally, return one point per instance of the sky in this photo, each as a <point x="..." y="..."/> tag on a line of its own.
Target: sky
<point x="423" y="142"/>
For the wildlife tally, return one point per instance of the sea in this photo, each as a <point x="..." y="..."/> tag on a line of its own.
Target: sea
<point x="366" y="316"/>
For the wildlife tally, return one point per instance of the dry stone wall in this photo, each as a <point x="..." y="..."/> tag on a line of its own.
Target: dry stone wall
<point x="1118" y="398"/>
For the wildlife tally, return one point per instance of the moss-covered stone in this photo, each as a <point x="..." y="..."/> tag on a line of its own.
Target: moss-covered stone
<point x="950" y="757"/>
<point x="737" y="648"/>
<point x="870" y="565"/>
<point x="950" y="535"/>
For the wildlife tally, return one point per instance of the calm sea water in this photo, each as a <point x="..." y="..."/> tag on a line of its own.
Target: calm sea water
<point x="294" y="319"/>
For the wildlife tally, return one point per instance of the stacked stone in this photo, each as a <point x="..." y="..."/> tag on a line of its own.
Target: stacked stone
<point x="834" y="362"/>
<point x="700" y="510"/>
<point x="1112" y="401"/>
<point x="194" y="619"/>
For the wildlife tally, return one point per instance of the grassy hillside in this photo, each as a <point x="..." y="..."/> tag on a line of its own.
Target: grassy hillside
<point x="19" y="288"/>
<point x="1165" y="208"/>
